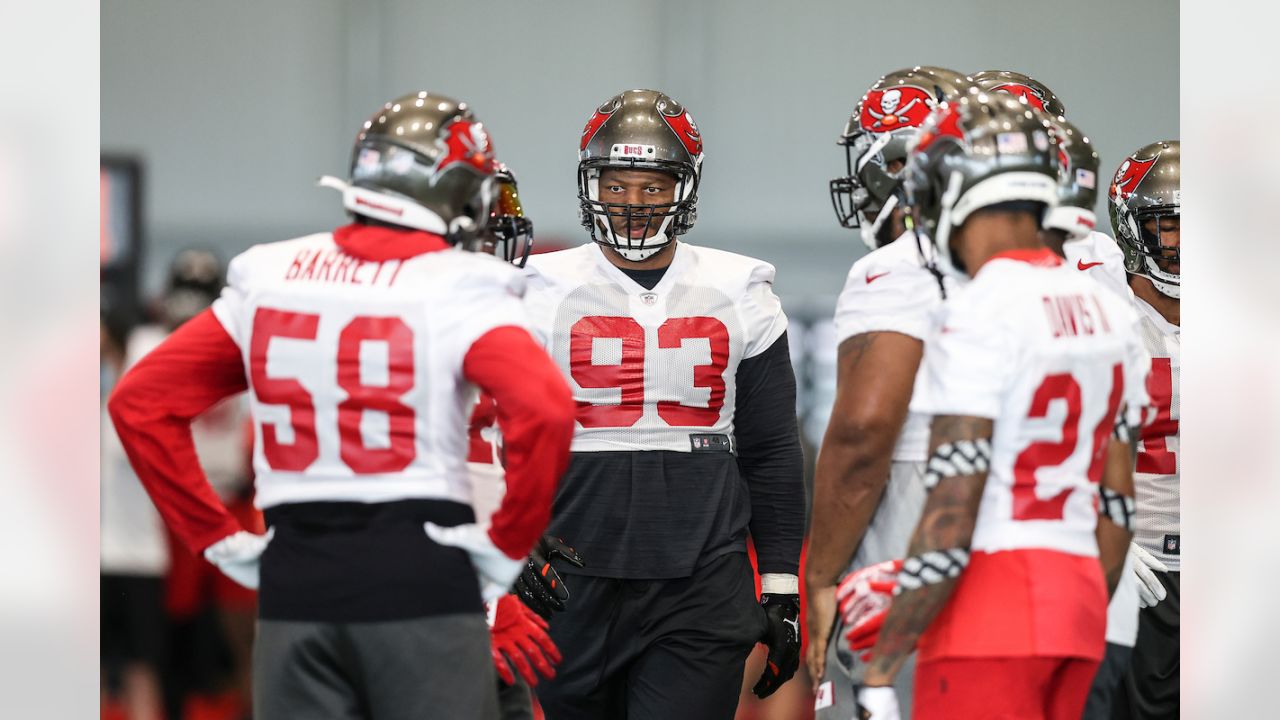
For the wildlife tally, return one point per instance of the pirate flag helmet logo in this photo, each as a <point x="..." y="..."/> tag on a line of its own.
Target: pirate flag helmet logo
<point x="1130" y="174"/>
<point x="888" y="109"/>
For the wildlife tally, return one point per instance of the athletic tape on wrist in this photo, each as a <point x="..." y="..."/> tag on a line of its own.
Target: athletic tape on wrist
<point x="952" y="459"/>
<point x="1116" y="507"/>
<point x="931" y="568"/>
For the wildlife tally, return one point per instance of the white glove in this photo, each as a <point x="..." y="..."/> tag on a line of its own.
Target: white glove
<point x="878" y="703"/>
<point x="496" y="571"/>
<point x="1150" y="590"/>
<point x="237" y="556"/>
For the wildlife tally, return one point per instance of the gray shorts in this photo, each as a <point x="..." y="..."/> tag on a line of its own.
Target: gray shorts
<point x="433" y="667"/>
<point x="887" y="538"/>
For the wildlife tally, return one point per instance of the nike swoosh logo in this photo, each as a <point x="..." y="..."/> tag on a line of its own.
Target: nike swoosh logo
<point x="872" y="278"/>
<point x="1082" y="265"/>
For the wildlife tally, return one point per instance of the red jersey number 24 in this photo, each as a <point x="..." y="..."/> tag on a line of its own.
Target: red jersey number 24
<point x="1027" y="504"/>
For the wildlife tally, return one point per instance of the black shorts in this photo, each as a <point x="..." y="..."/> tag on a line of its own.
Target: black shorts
<point x="1150" y="690"/>
<point x="133" y="620"/>
<point x="1102" y="694"/>
<point x="655" y="649"/>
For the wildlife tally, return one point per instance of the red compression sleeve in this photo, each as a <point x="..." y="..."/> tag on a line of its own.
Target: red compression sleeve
<point x="152" y="408"/>
<point x="535" y="415"/>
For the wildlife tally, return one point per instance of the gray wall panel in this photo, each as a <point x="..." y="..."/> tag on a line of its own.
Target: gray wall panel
<point x="237" y="106"/>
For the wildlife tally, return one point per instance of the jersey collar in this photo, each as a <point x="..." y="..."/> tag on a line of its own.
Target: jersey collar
<point x="678" y="261"/>
<point x="1041" y="257"/>
<point x="379" y="244"/>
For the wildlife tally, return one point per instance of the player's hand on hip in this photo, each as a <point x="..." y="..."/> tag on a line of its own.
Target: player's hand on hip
<point x="1145" y="565"/>
<point x="782" y="636"/>
<point x="539" y="585"/>
<point x="494" y="569"/>
<point x="819" y="622"/>
<point x="519" y="639"/>
<point x="238" y="556"/>
<point x="877" y="703"/>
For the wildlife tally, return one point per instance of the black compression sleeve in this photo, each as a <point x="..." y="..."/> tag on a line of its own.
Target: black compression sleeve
<point x="770" y="457"/>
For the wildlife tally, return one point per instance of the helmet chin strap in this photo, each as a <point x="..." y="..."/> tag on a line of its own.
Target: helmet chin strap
<point x="653" y="245"/>
<point x="949" y="198"/>
<point x="1168" y="289"/>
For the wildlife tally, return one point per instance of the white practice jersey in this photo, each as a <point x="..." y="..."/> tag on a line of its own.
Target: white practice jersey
<point x="1101" y="258"/>
<point x="1050" y="356"/>
<point x="889" y="290"/>
<point x="355" y="366"/>
<point x="1156" y="476"/>
<point x="653" y="369"/>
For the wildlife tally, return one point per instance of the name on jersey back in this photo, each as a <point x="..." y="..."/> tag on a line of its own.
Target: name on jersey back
<point x="1071" y="315"/>
<point x="335" y="266"/>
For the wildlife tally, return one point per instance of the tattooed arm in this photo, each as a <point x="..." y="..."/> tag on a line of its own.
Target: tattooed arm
<point x="876" y="371"/>
<point x="947" y="522"/>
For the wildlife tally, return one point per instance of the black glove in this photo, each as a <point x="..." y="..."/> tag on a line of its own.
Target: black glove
<point x="539" y="585"/>
<point x="782" y="635"/>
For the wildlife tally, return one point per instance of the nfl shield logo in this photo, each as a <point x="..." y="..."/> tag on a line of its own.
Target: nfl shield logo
<point x="649" y="298"/>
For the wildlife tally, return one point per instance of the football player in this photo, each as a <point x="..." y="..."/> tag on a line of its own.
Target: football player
<point x="1025" y="375"/>
<point x="1069" y="232"/>
<point x="361" y="348"/>
<point x="868" y="486"/>
<point x="686" y="438"/>
<point x="1145" y="201"/>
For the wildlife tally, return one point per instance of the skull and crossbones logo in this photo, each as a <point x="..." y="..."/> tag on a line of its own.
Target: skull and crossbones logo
<point x="895" y="108"/>
<point x="891" y="114"/>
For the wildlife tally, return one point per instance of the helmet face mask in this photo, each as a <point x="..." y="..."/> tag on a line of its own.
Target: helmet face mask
<point x="1144" y="195"/>
<point x="639" y="130"/>
<point x="509" y="234"/>
<point x="876" y="139"/>
<point x="636" y="230"/>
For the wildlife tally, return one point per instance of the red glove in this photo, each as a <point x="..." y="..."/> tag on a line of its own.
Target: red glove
<point x="864" y="597"/>
<point x="519" y="638"/>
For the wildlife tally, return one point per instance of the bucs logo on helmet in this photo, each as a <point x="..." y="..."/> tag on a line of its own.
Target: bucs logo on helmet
<point x="1026" y="92"/>
<point x="468" y="143"/>
<point x="681" y="123"/>
<point x="601" y="115"/>
<point x="1130" y="175"/>
<point x="947" y="126"/>
<point x="892" y="108"/>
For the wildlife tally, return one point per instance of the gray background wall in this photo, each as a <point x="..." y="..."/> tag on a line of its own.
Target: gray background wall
<point x="236" y="106"/>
